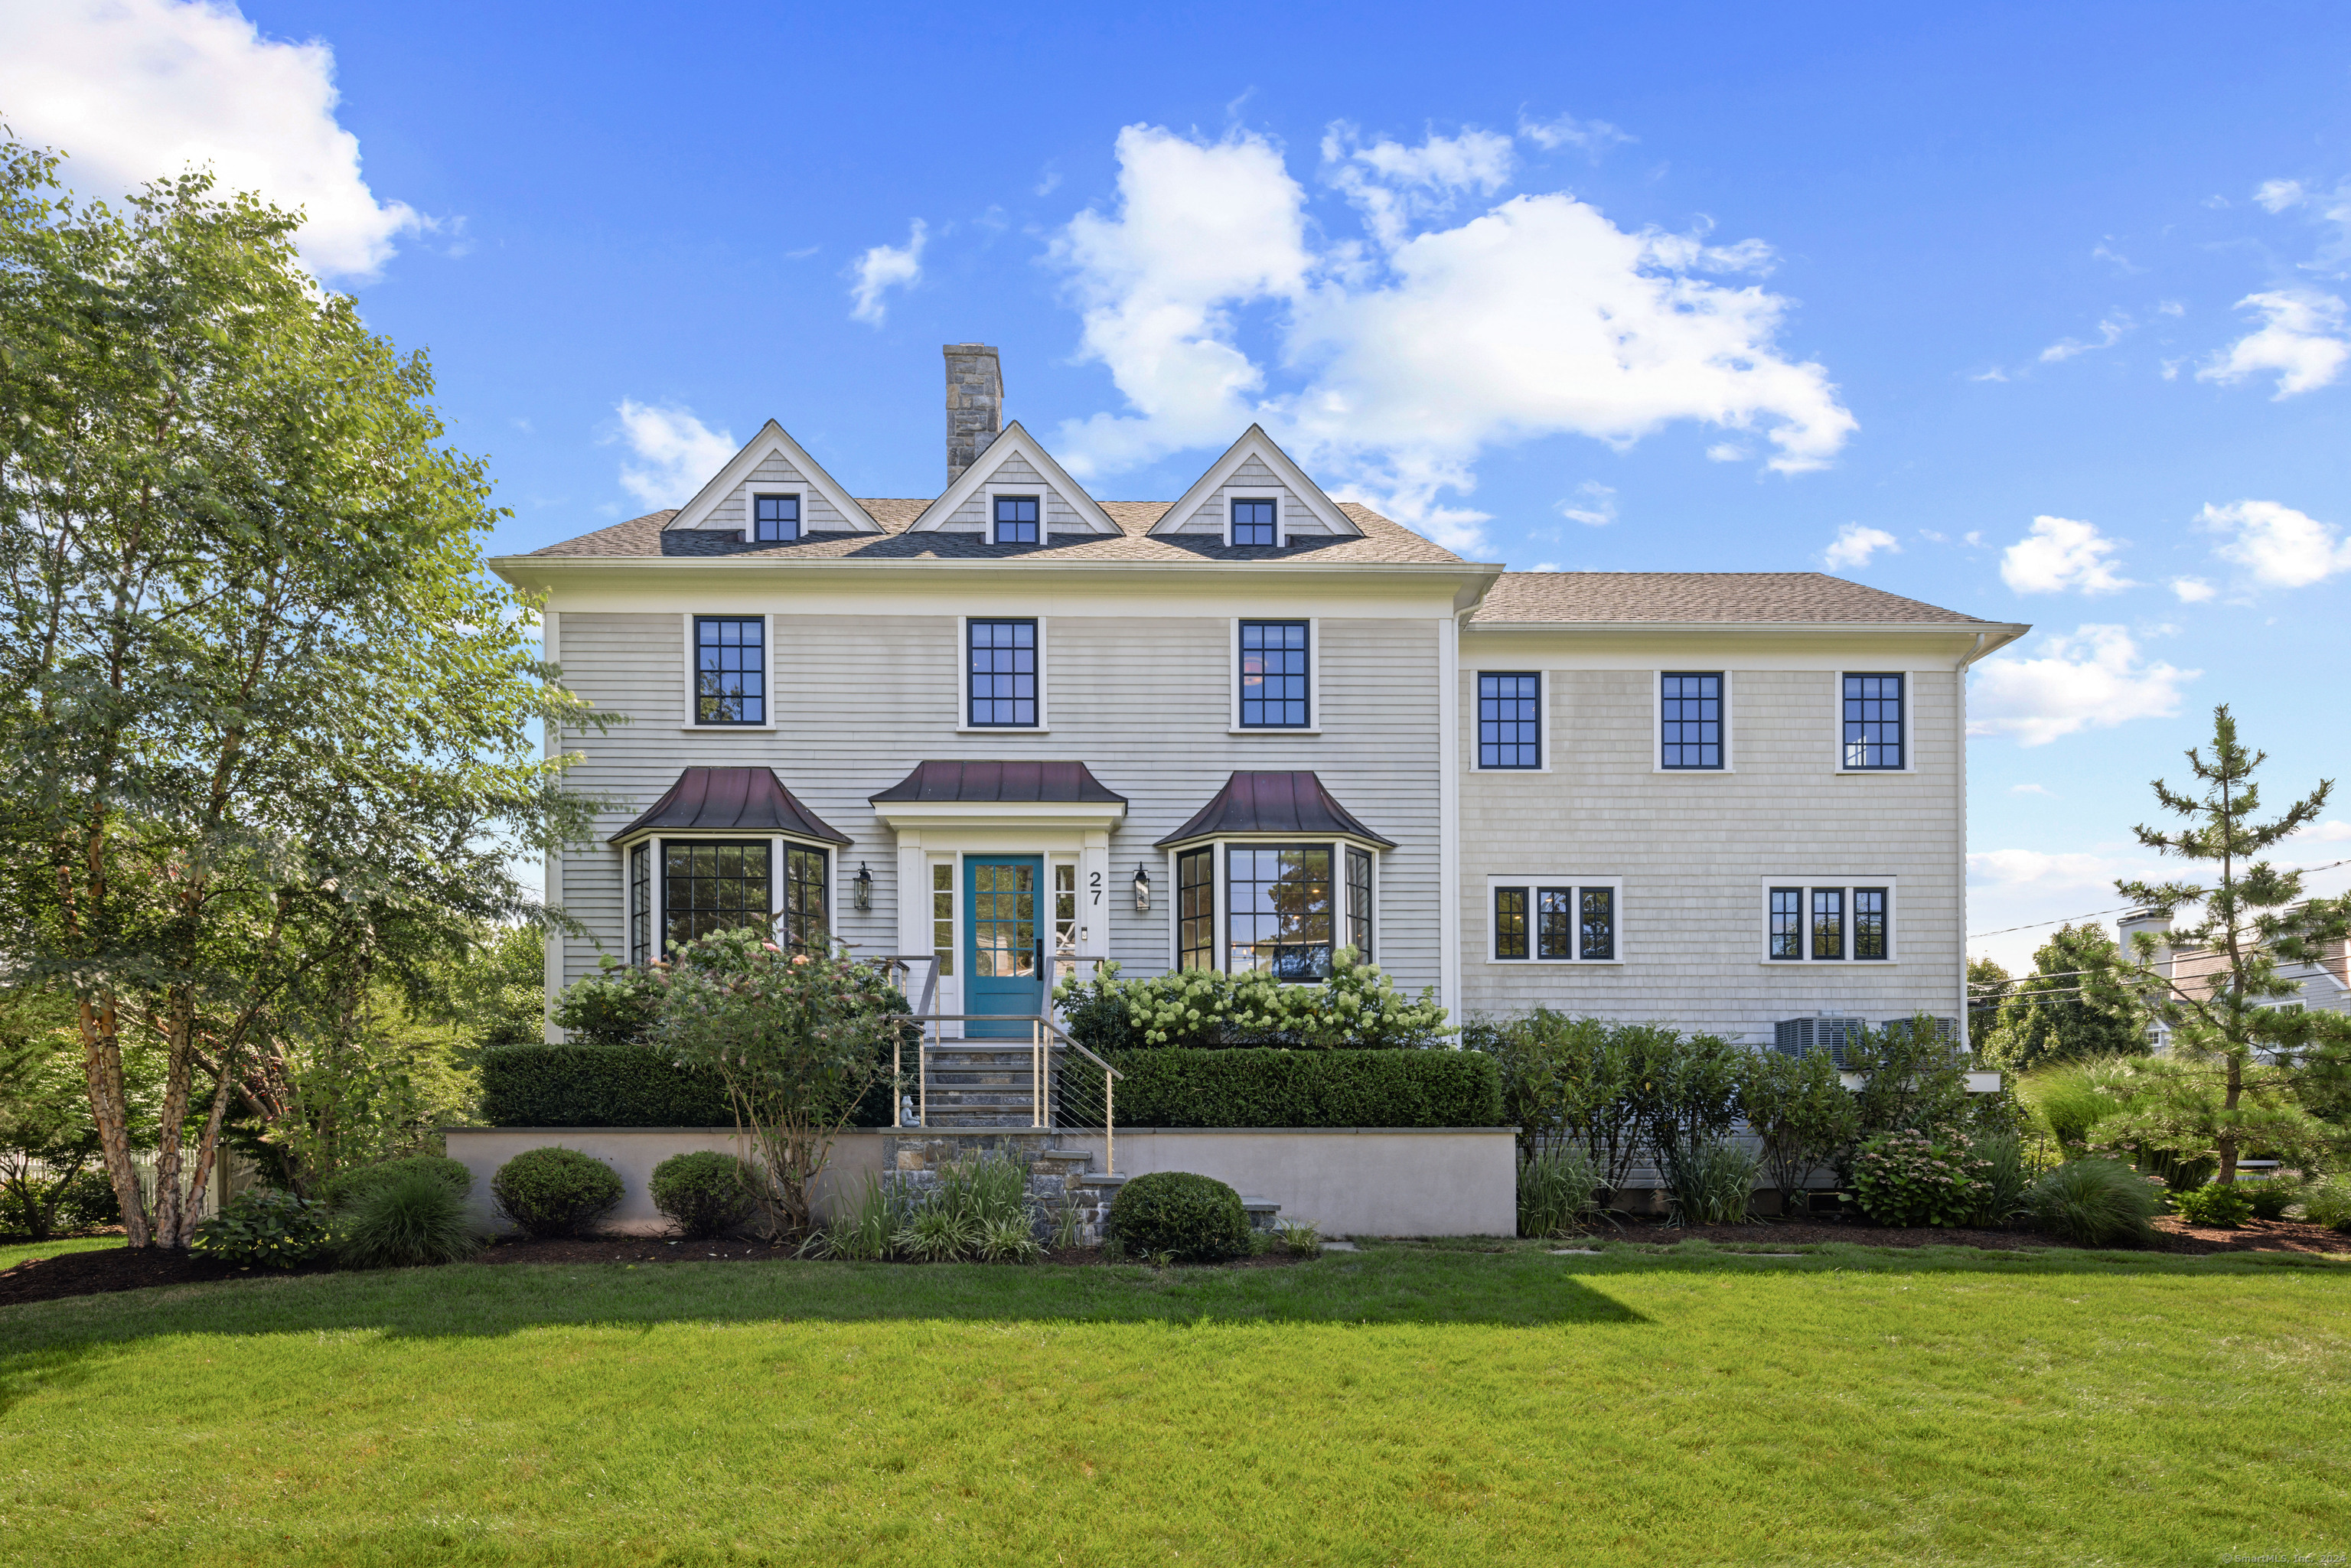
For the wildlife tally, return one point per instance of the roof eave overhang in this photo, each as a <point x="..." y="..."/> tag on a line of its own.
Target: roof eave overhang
<point x="527" y="572"/>
<point x="1996" y="634"/>
<point x="901" y="814"/>
<point x="628" y="836"/>
<point x="1289" y="836"/>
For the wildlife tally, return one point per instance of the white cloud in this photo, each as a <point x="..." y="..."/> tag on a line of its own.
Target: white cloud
<point x="2329" y="833"/>
<point x="1994" y="375"/>
<point x="1545" y="566"/>
<point x="135" y="90"/>
<point x="2172" y="307"/>
<point x="2192" y="590"/>
<point x="1973" y="538"/>
<point x="2301" y="340"/>
<point x="1726" y="452"/>
<point x="2280" y="547"/>
<point x="2094" y="678"/>
<point x="2061" y="553"/>
<point x="1416" y="350"/>
<point x="2042" y="870"/>
<point x="1592" y="137"/>
<point x="2277" y="195"/>
<point x="882" y="268"/>
<point x="678" y="452"/>
<point x="2040" y="789"/>
<point x="1855" y="545"/>
<point x="2110" y="332"/>
<point x="1593" y="505"/>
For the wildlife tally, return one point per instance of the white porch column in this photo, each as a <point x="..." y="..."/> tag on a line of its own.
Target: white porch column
<point x="1095" y="895"/>
<point x="914" y="898"/>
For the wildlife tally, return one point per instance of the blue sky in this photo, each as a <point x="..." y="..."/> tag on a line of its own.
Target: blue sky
<point x="2039" y="316"/>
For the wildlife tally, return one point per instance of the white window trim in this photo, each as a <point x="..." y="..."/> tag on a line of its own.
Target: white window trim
<point x="1533" y="880"/>
<point x="1909" y="726"/>
<point x="1313" y="677"/>
<point x="963" y="678"/>
<point x="1847" y="882"/>
<point x="1730" y="726"/>
<point x="1220" y="892"/>
<point x="657" y="881"/>
<point x="752" y="487"/>
<point x="1280" y="515"/>
<point x="1039" y="489"/>
<point x="767" y="661"/>
<point x="1542" y="724"/>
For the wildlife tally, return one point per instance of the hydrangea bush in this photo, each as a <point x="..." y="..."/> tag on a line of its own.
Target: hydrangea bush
<point x="1358" y="1008"/>
<point x="1920" y="1179"/>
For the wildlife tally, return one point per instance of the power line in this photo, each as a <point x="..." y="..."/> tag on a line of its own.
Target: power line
<point x="2094" y="914"/>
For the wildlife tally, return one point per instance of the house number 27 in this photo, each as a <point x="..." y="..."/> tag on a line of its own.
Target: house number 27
<point x="1093" y="880"/>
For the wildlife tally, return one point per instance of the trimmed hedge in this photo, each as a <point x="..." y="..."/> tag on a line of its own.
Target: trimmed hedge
<point x="615" y="1086"/>
<point x="1183" y="1087"/>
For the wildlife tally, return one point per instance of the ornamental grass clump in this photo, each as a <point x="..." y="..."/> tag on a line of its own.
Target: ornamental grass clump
<point x="705" y="1192"/>
<point x="554" y="1191"/>
<point x="2328" y="1203"/>
<point x="415" y="1219"/>
<point x="266" y="1227"/>
<point x="1906" y="1178"/>
<point x="1708" y="1183"/>
<point x="1180" y="1216"/>
<point x="2096" y="1202"/>
<point x="1558" y="1187"/>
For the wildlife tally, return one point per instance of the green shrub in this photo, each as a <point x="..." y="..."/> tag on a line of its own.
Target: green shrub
<point x="1170" y="1087"/>
<point x="414" y="1218"/>
<point x="555" y="1191"/>
<point x="976" y="1207"/>
<point x="1357" y="1009"/>
<point x="615" y="1006"/>
<point x="621" y="1086"/>
<point x="345" y="1190"/>
<point x="2096" y="1202"/>
<point x="1799" y="1107"/>
<point x="705" y="1192"/>
<point x="2328" y="1203"/>
<point x="2272" y="1196"/>
<point x="267" y="1226"/>
<point x="1176" y="1214"/>
<point x="1708" y="1183"/>
<point x="1558" y="1186"/>
<point x="2213" y="1204"/>
<point x="89" y="1203"/>
<point x="1299" y="1238"/>
<point x="2005" y="1176"/>
<point x="1912" y="1178"/>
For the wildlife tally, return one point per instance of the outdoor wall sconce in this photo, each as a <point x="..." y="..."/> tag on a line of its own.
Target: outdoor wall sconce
<point x="1142" y="891"/>
<point x="865" y="887"/>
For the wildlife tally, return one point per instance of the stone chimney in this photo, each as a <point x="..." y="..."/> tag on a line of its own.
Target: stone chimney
<point x="975" y="405"/>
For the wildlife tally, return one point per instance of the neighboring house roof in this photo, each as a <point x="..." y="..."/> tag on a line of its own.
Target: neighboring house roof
<point x="732" y="800"/>
<point x="1619" y="598"/>
<point x="1054" y="783"/>
<point x="1272" y="803"/>
<point x="1383" y="542"/>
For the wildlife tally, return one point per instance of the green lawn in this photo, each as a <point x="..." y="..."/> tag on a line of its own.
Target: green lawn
<point x="1404" y="1405"/>
<point x="11" y="1256"/>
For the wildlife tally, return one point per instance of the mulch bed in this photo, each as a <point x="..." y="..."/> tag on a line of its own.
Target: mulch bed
<point x="2176" y="1235"/>
<point x="661" y="1249"/>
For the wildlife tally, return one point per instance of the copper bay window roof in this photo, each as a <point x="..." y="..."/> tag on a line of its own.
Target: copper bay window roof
<point x="730" y="800"/>
<point x="1288" y="803"/>
<point x="1038" y="783"/>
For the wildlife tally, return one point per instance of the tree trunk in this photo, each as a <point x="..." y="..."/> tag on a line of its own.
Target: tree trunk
<point x="101" y="1050"/>
<point x="2227" y="1142"/>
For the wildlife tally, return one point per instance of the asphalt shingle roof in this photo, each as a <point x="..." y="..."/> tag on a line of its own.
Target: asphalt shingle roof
<point x="1810" y="598"/>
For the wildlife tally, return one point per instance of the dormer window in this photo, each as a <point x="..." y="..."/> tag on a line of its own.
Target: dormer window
<point x="1253" y="523"/>
<point x="1015" y="519"/>
<point x="775" y="519"/>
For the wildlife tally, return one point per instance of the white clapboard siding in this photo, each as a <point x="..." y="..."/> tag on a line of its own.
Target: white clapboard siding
<point x="1018" y="471"/>
<point x="1694" y="850"/>
<point x="1253" y="480"/>
<point x="817" y="514"/>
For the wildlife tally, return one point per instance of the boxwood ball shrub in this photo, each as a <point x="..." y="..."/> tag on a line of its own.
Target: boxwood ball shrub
<point x="266" y="1227"/>
<point x="555" y="1191"/>
<point x="1919" y="1178"/>
<point x="2096" y="1202"/>
<point x="415" y="1218"/>
<point x="1192" y="1219"/>
<point x="346" y="1189"/>
<point x="705" y="1192"/>
<point x="2213" y="1204"/>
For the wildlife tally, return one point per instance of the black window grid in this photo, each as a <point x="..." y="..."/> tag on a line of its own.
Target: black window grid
<point x="1017" y="518"/>
<point x="1828" y="924"/>
<point x="1554" y="922"/>
<point x="641" y="904"/>
<point x="775" y="519"/>
<point x="1276" y="672"/>
<point x="1001" y="659"/>
<point x="806" y="923"/>
<point x="1359" y="903"/>
<point x="1872" y="924"/>
<point x="1596" y="925"/>
<point x="713" y="886"/>
<point x="1196" y="909"/>
<point x="1280" y="917"/>
<point x="1509" y="923"/>
<point x="1874" y="722"/>
<point x="1253" y="523"/>
<point x="1690" y="720"/>
<point x="1787" y="937"/>
<point x="730" y="675"/>
<point x="1510" y="719"/>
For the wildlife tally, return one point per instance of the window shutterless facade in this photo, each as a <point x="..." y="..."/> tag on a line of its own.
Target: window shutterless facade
<point x="1000" y="665"/>
<point x="1275" y="674"/>
<point x="1510" y="719"/>
<point x="1555" y="920"/>
<point x="1016" y="519"/>
<point x="1691" y="724"/>
<point x="1196" y="909"/>
<point x="1829" y="922"/>
<point x="775" y="518"/>
<point x="713" y="886"/>
<point x="730" y="670"/>
<point x="1875" y="711"/>
<point x="1282" y="910"/>
<point x="1254" y="523"/>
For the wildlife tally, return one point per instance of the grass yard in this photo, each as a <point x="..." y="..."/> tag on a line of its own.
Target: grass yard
<point x="17" y="1253"/>
<point x="1402" y="1405"/>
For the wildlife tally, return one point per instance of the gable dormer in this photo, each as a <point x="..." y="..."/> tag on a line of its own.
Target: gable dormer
<point x="773" y="492"/>
<point x="1254" y="486"/>
<point x="1013" y="469"/>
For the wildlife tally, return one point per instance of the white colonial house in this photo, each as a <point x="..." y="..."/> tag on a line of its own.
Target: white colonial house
<point x="1011" y="727"/>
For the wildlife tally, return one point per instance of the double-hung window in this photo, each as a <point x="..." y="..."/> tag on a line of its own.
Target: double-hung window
<point x="775" y="519"/>
<point x="1509" y="720"/>
<point x="1556" y="920"/>
<point x="1873" y="712"/>
<point x="1000" y="665"/>
<point x="641" y="904"/>
<point x="1821" y="921"/>
<point x="1281" y="921"/>
<point x="1276" y="673"/>
<point x="730" y="670"/>
<point x="1015" y="519"/>
<point x="1690" y="720"/>
<point x="1253" y="523"/>
<point x="1196" y="909"/>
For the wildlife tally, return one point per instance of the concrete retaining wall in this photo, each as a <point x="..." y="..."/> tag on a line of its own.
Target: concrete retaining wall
<point x="1350" y="1181"/>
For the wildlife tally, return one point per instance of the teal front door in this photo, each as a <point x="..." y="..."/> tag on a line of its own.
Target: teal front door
<point x="1000" y="944"/>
